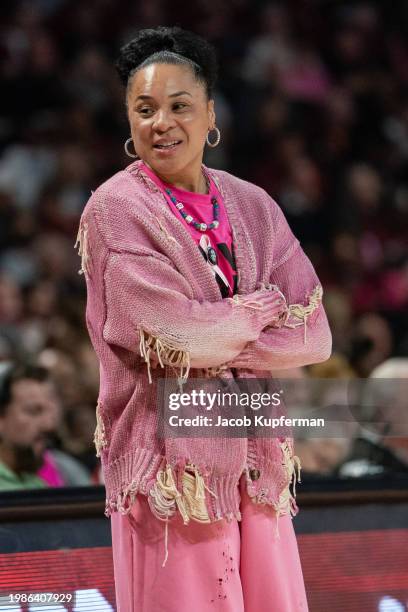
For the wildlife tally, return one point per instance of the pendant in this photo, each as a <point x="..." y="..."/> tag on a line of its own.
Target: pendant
<point x="212" y="255"/>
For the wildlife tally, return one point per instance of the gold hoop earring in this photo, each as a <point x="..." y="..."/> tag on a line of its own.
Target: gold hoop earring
<point x="128" y="153"/>
<point x="217" y="138"/>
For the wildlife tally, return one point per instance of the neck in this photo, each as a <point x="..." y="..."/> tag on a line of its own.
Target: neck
<point x="194" y="182"/>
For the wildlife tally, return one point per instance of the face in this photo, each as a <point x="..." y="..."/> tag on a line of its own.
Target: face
<point x="169" y="117"/>
<point x="32" y="415"/>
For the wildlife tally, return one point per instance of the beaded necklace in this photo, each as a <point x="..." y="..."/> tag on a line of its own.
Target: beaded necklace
<point x="202" y="227"/>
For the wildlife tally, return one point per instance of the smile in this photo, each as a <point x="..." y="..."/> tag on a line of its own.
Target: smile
<point x="167" y="146"/>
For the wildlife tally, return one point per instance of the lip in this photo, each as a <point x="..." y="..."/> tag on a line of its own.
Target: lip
<point x="169" y="150"/>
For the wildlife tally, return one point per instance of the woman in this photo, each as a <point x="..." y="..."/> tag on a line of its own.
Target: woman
<point x="192" y="271"/>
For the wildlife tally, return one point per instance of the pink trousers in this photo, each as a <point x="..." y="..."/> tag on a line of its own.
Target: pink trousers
<point x="220" y="567"/>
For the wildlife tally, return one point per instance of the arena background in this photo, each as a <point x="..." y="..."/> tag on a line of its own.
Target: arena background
<point x="312" y="104"/>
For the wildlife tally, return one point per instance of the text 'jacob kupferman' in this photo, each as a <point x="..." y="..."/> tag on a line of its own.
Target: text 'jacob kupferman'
<point x="245" y="421"/>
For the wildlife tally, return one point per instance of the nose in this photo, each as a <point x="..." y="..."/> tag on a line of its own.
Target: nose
<point x="163" y="120"/>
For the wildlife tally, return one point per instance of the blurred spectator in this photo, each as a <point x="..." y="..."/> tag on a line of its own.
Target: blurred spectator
<point x="321" y="456"/>
<point x="30" y="415"/>
<point x="328" y="392"/>
<point x="372" y="343"/>
<point x="382" y="445"/>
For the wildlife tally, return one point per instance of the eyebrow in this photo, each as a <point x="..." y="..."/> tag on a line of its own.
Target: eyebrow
<point x="174" y="95"/>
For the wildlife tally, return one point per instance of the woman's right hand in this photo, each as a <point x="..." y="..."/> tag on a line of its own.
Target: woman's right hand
<point x="269" y="304"/>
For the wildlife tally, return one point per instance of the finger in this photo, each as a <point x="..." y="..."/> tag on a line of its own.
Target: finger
<point x="274" y="300"/>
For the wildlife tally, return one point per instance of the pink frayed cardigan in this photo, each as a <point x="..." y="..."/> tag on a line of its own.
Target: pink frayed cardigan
<point x="152" y="298"/>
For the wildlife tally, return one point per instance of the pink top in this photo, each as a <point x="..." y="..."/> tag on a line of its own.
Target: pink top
<point x="49" y="472"/>
<point x="200" y="207"/>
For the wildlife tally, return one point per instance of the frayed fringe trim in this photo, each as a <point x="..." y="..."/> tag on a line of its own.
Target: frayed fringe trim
<point x="82" y="245"/>
<point x="100" y="440"/>
<point x="166" y="354"/>
<point x="299" y="311"/>
<point x="123" y="501"/>
<point x="287" y="499"/>
<point x="215" y="371"/>
<point x="291" y="464"/>
<point x="165" y="499"/>
<point x="286" y="503"/>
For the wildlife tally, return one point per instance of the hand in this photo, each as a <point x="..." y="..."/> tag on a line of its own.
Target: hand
<point x="269" y="304"/>
<point x="274" y="307"/>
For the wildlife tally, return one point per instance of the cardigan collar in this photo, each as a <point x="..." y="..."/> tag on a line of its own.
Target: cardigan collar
<point x="245" y="263"/>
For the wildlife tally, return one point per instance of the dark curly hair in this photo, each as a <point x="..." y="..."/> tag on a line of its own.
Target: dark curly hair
<point x="13" y="373"/>
<point x="169" y="46"/>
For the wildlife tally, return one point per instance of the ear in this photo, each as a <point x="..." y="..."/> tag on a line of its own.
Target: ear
<point x="211" y="115"/>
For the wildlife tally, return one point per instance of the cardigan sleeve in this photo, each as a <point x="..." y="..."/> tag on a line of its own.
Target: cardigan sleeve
<point x="149" y="310"/>
<point x="305" y="337"/>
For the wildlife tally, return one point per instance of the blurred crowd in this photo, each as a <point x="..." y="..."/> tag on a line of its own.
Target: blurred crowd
<point x="312" y="104"/>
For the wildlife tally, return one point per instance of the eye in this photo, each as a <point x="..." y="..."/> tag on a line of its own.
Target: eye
<point x="179" y="106"/>
<point x="145" y="111"/>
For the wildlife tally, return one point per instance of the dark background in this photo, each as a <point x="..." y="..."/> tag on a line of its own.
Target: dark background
<point x="312" y="103"/>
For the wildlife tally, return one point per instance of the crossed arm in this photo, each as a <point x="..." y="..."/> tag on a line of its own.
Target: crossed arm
<point x="305" y="337"/>
<point x="149" y="310"/>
